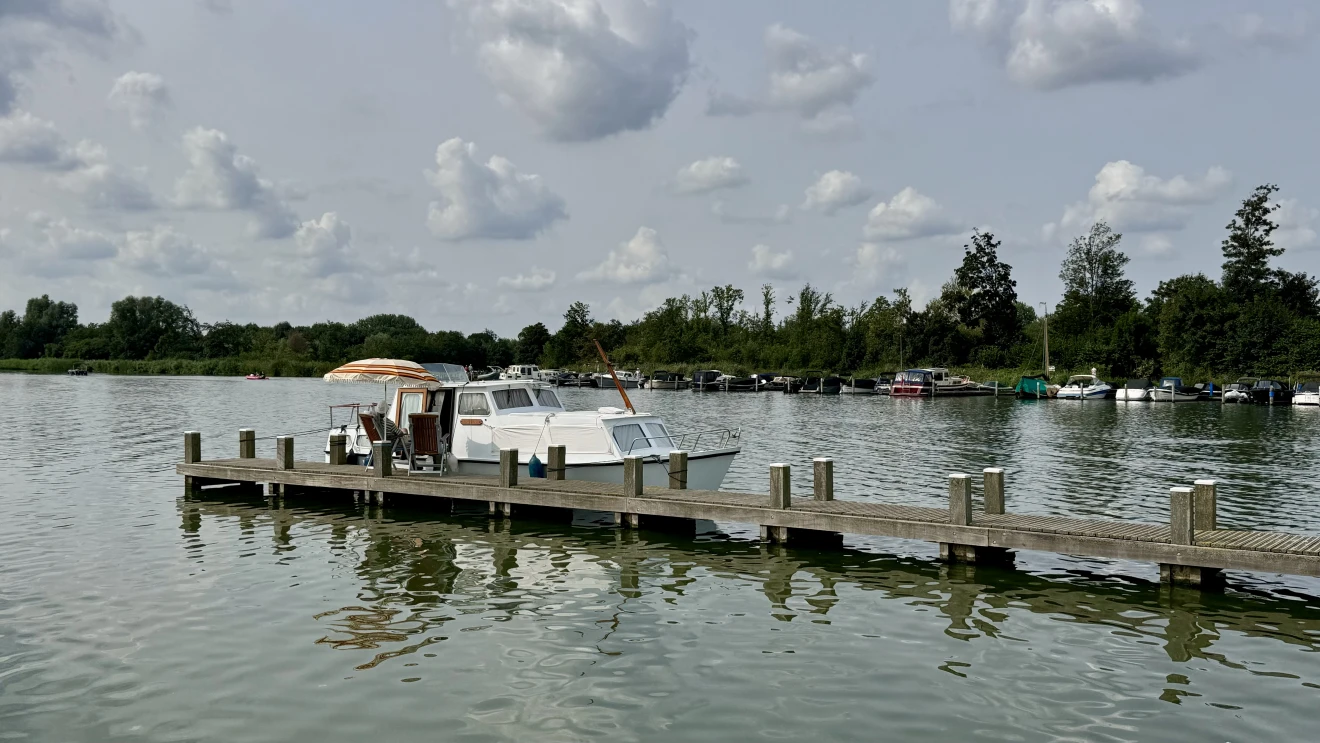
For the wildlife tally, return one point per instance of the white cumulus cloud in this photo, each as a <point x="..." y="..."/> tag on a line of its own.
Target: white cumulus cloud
<point x="28" y="140"/>
<point x="1128" y="198"/>
<point x="165" y="252"/>
<point x="835" y="190"/>
<point x="582" y="69"/>
<point x="538" y="279"/>
<point x="1297" y="225"/>
<point x="641" y="260"/>
<point x="84" y="169"/>
<point x="325" y="246"/>
<point x="1051" y="44"/>
<point x="487" y="200"/>
<point x="769" y="264"/>
<point x="711" y="174"/>
<point x="32" y="29"/>
<point x="873" y="263"/>
<point x="910" y="214"/>
<point x="220" y="178"/>
<point x="820" y="84"/>
<point x="142" y="95"/>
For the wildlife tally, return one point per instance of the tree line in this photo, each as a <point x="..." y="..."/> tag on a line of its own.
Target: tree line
<point x="1254" y="319"/>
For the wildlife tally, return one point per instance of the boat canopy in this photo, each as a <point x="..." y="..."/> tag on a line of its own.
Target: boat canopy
<point x="1138" y="384"/>
<point x="447" y="373"/>
<point x="536" y="438"/>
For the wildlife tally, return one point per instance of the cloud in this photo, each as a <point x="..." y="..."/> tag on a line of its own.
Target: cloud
<point x="769" y="264"/>
<point x="835" y="190"/>
<point x="874" y="262"/>
<point x="1157" y="245"/>
<point x="31" y="29"/>
<point x="490" y="200"/>
<point x="581" y="69"/>
<point x="325" y="246"/>
<point x="641" y="260"/>
<point x="103" y="185"/>
<point x="909" y="215"/>
<point x="84" y="169"/>
<point x="711" y="174"/>
<point x="816" y="83"/>
<point x="142" y="95"/>
<point x="164" y="252"/>
<point x="1052" y="44"/>
<point x="219" y="178"/>
<point x="1255" y="30"/>
<point x="1297" y="225"/>
<point x="1128" y="199"/>
<point x="537" y="280"/>
<point x="781" y="215"/>
<point x="61" y="249"/>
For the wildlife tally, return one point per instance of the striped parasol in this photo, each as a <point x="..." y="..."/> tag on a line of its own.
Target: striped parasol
<point x="388" y="371"/>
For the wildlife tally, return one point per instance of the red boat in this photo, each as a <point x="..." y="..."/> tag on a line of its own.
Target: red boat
<point x="256" y="376"/>
<point x="912" y="383"/>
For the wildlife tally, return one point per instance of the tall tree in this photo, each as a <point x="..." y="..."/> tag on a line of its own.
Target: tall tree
<point x="989" y="299"/>
<point x="569" y="345"/>
<point x="725" y="300"/>
<point x="1094" y="284"/>
<point x="1248" y="247"/>
<point x="531" y="344"/>
<point x="767" y="309"/>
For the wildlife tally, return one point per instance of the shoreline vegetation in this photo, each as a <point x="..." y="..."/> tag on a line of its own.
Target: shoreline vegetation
<point x="1254" y="320"/>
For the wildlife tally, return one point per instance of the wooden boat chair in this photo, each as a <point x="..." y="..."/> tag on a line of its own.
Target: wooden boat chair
<point x="424" y="441"/>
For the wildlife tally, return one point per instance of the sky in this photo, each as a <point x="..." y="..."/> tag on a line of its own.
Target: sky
<point x="484" y="163"/>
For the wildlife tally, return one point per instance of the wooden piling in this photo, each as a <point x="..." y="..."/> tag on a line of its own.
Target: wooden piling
<point x="382" y="458"/>
<point x="557" y="457"/>
<point x="192" y="447"/>
<point x="1182" y="520"/>
<point x="678" y="470"/>
<point x="283" y="452"/>
<point x="338" y="448"/>
<point x="247" y="443"/>
<point x="508" y="468"/>
<point x="1205" y="505"/>
<point x="960" y="499"/>
<point x="993" y="490"/>
<point x="822" y="485"/>
<point x="633" y="473"/>
<point x="781" y="486"/>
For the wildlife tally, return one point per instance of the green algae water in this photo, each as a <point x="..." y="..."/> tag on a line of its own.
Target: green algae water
<point x="129" y="612"/>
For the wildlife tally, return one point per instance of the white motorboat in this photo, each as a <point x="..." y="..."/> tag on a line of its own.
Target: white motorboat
<point x="477" y="419"/>
<point x="1239" y="391"/>
<point x="1307" y="393"/>
<point x="1135" y="390"/>
<point x="1171" y="389"/>
<point x="1085" y="387"/>
<point x="521" y="371"/>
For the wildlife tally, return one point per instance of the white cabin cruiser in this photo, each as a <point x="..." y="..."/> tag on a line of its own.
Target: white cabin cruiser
<point x="1307" y="393"/>
<point x="1135" y="390"/>
<point x="1085" y="387"/>
<point x="521" y="371"/>
<point x="477" y="419"/>
<point x="1171" y="389"/>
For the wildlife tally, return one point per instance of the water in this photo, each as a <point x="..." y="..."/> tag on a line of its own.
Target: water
<point x="129" y="612"/>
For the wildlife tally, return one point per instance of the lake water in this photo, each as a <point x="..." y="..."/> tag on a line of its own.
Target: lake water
<point x="129" y="612"/>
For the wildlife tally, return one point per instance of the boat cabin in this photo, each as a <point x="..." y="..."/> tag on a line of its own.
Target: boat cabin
<point x="521" y="371"/>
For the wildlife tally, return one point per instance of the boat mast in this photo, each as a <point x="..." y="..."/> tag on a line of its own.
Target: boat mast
<point x="1045" y="334"/>
<point x="610" y="368"/>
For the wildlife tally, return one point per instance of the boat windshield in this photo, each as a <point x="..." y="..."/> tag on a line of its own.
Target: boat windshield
<point x="547" y="398"/>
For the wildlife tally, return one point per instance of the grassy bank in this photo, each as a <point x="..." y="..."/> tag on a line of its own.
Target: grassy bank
<point x="226" y="367"/>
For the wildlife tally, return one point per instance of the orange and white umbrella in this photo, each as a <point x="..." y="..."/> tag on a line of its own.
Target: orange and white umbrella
<point x="388" y="371"/>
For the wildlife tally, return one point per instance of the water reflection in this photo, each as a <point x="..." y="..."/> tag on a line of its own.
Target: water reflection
<point x="416" y="574"/>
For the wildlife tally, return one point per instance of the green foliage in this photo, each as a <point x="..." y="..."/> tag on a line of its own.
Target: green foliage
<point x="1248" y="248"/>
<point x="531" y="344"/>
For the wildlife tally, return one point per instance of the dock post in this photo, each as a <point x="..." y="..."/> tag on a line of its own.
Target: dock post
<point x="823" y="478"/>
<point x="382" y="459"/>
<point x="960" y="499"/>
<point x="1205" y="506"/>
<point x="192" y="447"/>
<point x="993" y="490"/>
<point x="338" y="448"/>
<point x="781" y="496"/>
<point x="508" y="479"/>
<point x="556" y="457"/>
<point x="283" y="452"/>
<point x="634" y="469"/>
<point x="247" y="443"/>
<point x="678" y="470"/>
<point x="192" y="454"/>
<point x="1183" y="521"/>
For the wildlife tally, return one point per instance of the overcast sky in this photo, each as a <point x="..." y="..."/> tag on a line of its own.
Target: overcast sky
<point x="482" y="163"/>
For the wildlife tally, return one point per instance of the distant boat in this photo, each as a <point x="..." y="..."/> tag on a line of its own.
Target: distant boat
<point x="1307" y="393"/>
<point x="1135" y="390"/>
<point x="256" y="375"/>
<point x="936" y="382"/>
<point x="704" y="380"/>
<point x="666" y="380"/>
<point x="1239" y="391"/>
<point x="818" y="383"/>
<point x="1270" y="392"/>
<point x="1035" y="387"/>
<point x="1085" y="387"/>
<point x="1171" y="389"/>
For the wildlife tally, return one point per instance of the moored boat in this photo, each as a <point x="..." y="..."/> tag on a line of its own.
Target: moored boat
<point x="1270" y="392"/>
<point x="666" y="380"/>
<point x="817" y="382"/>
<point x="1134" y="390"/>
<point x="1307" y="393"/>
<point x="704" y="380"/>
<point x="1239" y="391"/>
<point x="1035" y="387"/>
<point x="1172" y="389"/>
<point x="1085" y="387"/>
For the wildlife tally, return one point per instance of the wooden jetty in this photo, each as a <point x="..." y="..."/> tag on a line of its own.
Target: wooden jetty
<point x="1190" y="549"/>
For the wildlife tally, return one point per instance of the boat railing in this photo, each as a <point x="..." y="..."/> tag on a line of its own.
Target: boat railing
<point x="716" y="438"/>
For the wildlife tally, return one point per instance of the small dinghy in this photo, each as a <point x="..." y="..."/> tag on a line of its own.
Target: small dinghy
<point x="256" y="375"/>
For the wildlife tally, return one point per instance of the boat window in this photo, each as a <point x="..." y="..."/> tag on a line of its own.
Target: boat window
<point x="659" y="436"/>
<point x="547" y="398"/>
<point x="512" y="398"/>
<point x="629" y="437"/>
<point x="410" y="401"/>
<point x="473" y="403"/>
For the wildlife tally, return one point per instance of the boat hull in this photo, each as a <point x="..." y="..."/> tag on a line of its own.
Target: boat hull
<point x="1306" y="398"/>
<point x="1132" y="395"/>
<point x="1159" y="395"/>
<point x="706" y="470"/>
